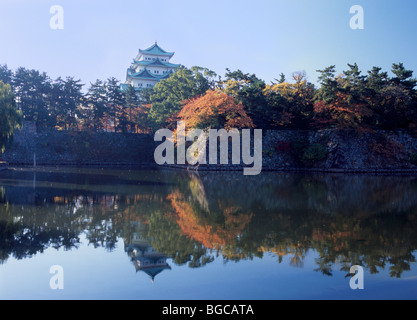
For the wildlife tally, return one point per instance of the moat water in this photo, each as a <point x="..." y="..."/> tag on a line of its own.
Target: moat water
<point x="70" y="233"/>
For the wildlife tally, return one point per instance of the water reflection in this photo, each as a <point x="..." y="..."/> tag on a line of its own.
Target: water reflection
<point x="195" y="219"/>
<point x="144" y="257"/>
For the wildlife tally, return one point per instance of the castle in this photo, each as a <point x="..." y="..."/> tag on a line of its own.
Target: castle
<point x="149" y="67"/>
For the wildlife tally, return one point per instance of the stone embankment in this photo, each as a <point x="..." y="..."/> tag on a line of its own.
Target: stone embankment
<point x="282" y="150"/>
<point x="332" y="151"/>
<point x="54" y="148"/>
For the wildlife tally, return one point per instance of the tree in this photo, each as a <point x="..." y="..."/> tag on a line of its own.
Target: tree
<point x="215" y="110"/>
<point x="353" y="85"/>
<point x="397" y="108"/>
<point x="145" y="95"/>
<point x="10" y="118"/>
<point x="205" y="79"/>
<point x="376" y="80"/>
<point x="168" y="94"/>
<point x="393" y="99"/>
<point x="32" y="90"/>
<point x="342" y="112"/>
<point x="95" y="105"/>
<point x="290" y="104"/>
<point x="66" y="97"/>
<point x="328" y="83"/>
<point x="132" y="102"/>
<point x="403" y="77"/>
<point x="301" y="101"/>
<point x="353" y="80"/>
<point x="6" y="75"/>
<point x="136" y="111"/>
<point x="343" y="101"/>
<point x="115" y="103"/>
<point x="281" y="79"/>
<point x="247" y="89"/>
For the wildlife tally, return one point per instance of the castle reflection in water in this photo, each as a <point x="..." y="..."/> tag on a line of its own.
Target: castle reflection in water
<point x="145" y="258"/>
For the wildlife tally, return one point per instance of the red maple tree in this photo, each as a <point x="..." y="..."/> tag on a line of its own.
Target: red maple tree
<point x="214" y="109"/>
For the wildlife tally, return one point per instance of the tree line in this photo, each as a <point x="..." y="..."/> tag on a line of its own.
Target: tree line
<point x="349" y="100"/>
<point x="62" y="104"/>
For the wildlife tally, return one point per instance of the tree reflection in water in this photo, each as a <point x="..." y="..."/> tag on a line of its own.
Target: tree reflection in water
<point x="194" y="219"/>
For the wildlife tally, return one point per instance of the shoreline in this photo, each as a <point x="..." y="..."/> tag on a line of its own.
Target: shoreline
<point x="372" y="171"/>
<point x="226" y="168"/>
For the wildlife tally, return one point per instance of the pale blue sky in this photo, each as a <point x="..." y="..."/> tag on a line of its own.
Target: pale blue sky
<point x="265" y="37"/>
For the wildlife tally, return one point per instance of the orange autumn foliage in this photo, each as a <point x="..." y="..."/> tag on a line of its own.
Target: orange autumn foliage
<point x="215" y="110"/>
<point x="211" y="236"/>
<point x="341" y="113"/>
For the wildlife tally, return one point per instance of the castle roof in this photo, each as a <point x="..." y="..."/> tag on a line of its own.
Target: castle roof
<point x="144" y="74"/>
<point x="152" y="272"/>
<point x="156" y="63"/>
<point x="156" y="50"/>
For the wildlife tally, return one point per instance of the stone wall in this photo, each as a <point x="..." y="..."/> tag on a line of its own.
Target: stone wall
<point x="52" y="147"/>
<point x="285" y="150"/>
<point x="331" y="151"/>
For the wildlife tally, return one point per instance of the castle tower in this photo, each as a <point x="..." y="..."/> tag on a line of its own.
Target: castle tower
<point x="145" y="258"/>
<point x="149" y="67"/>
